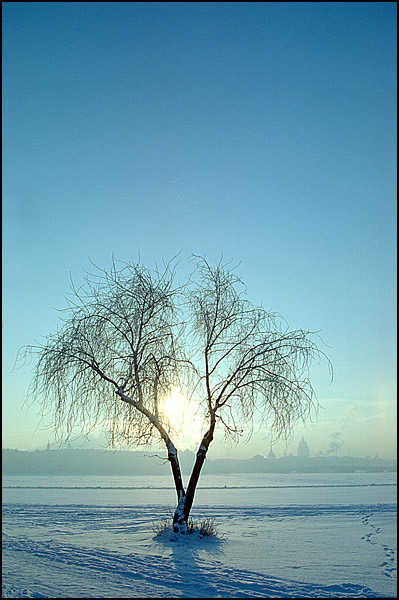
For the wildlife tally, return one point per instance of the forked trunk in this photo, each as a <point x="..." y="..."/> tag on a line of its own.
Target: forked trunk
<point x="185" y="500"/>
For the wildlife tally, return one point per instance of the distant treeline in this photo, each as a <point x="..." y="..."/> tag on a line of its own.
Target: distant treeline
<point x="99" y="462"/>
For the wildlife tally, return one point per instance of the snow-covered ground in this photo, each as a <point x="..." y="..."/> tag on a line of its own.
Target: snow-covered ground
<point x="281" y="536"/>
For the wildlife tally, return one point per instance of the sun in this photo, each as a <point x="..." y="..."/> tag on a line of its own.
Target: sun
<point x="181" y="416"/>
<point x="174" y="407"/>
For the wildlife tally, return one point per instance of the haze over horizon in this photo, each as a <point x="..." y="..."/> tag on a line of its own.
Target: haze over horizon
<point x="332" y="449"/>
<point x="261" y="132"/>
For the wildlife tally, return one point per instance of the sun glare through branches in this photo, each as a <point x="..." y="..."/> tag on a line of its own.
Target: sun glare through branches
<point x="174" y="407"/>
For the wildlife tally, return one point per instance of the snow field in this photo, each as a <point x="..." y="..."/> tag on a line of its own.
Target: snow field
<point x="325" y="537"/>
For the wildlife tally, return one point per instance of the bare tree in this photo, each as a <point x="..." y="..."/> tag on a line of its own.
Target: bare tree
<point x="249" y="365"/>
<point x="130" y="335"/>
<point x="114" y="359"/>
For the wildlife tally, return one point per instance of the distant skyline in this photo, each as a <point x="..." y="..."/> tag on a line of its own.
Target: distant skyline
<point x="263" y="132"/>
<point x="66" y="451"/>
<point x="269" y="453"/>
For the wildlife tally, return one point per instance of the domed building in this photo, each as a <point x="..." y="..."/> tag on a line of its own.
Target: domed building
<point x="303" y="449"/>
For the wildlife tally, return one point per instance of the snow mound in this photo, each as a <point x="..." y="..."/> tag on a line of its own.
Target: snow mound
<point x="195" y="539"/>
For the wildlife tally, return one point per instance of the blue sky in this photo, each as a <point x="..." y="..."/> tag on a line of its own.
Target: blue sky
<point x="263" y="132"/>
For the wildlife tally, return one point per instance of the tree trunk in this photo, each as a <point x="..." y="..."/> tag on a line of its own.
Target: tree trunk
<point x="186" y="500"/>
<point x="174" y="463"/>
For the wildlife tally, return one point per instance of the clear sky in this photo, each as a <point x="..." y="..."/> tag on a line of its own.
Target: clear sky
<point x="263" y="131"/>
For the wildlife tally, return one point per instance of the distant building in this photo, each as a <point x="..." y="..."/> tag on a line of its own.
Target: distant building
<point x="271" y="455"/>
<point x="303" y="449"/>
<point x="48" y="445"/>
